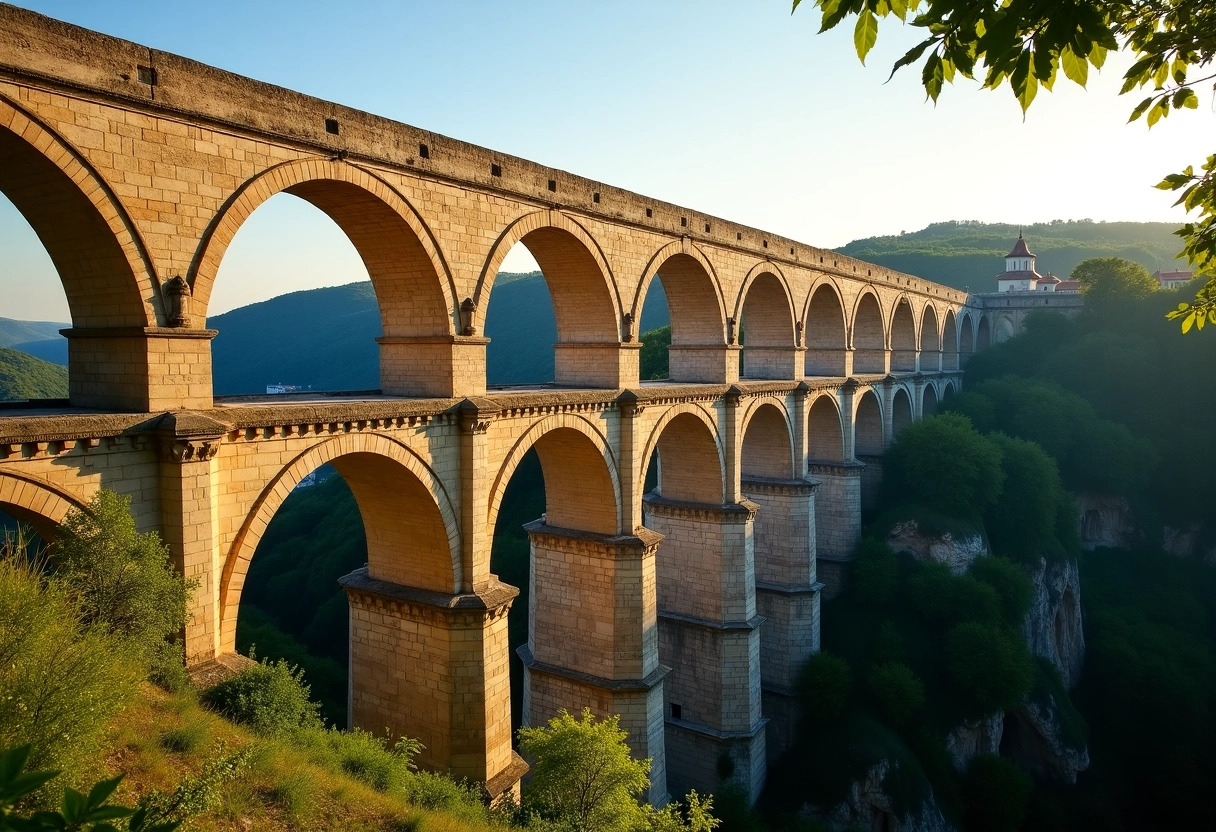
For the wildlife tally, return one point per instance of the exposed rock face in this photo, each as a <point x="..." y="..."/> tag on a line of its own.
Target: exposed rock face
<point x="1105" y="521"/>
<point x="957" y="553"/>
<point x="868" y="807"/>
<point x="972" y="738"/>
<point x="1034" y="738"/>
<point x="1053" y="625"/>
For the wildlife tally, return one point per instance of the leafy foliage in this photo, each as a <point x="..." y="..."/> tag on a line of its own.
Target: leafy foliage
<point x="898" y="691"/>
<point x="875" y="572"/>
<point x="1026" y="44"/>
<point x="998" y="794"/>
<point x="124" y="582"/>
<point x="990" y="665"/>
<point x="1107" y="281"/>
<point x="271" y="698"/>
<point x="824" y="684"/>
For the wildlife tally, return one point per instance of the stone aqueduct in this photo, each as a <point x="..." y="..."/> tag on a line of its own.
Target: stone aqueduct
<point x="686" y="610"/>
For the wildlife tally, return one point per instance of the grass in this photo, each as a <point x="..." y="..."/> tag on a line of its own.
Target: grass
<point x="288" y="785"/>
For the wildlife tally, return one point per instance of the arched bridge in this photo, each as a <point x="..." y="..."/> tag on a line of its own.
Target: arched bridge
<point x="686" y="610"/>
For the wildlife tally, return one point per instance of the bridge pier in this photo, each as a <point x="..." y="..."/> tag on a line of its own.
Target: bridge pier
<point x="709" y="635"/>
<point x="139" y="369"/>
<point x="837" y="519"/>
<point x="707" y="363"/>
<point x="592" y="636"/>
<point x="441" y="365"/>
<point x="609" y="365"/>
<point x="434" y="667"/>
<point x="787" y="595"/>
<point x="871" y="362"/>
<point x="773" y="362"/>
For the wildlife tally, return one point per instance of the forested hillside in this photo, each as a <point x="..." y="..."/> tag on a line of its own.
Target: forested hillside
<point x="24" y="377"/>
<point x="969" y="255"/>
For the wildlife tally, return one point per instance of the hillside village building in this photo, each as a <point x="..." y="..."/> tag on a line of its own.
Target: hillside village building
<point x="1173" y="280"/>
<point x="1020" y="274"/>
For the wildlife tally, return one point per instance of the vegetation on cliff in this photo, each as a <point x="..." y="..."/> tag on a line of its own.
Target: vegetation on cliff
<point x="24" y="377"/>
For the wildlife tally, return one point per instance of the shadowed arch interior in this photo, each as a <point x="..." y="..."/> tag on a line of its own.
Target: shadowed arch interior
<point x="869" y="341"/>
<point x="930" y="341"/>
<point x="903" y="337"/>
<point x="824" y="333"/>
<point x="983" y="334"/>
<point x="692" y="302"/>
<point x="928" y="401"/>
<point x="824" y="434"/>
<point x="868" y="438"/>
<point x="579" y="492"/>
<point x="767" y="447"/>
<point x="407" y="541"/>
<point x="901" y="411"/>
<point x="966" y="340"/>
<point x="690" y="467"/>
<point x="949" y="341"/>
<point x="101" y="287"/>
<point x="767" y="321"/>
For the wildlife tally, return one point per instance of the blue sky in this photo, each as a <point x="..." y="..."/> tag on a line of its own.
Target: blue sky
<point x="734" y="108"/>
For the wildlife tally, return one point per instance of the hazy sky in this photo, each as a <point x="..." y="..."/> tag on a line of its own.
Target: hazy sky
<point x="730" y="107"/>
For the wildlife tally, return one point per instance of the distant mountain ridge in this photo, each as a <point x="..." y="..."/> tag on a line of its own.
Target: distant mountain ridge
<point x="969" y="255"/>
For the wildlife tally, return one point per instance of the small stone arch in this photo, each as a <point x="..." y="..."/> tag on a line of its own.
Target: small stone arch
<point x="868" y="434"/>
<point x="414" y="286"/>
<point x="948" y="390"/>
<point x="767" y="327"/>
<point x="928" y="401"/>
<point x="382" y="474"/>
<point x="966" y="334"/>
<point x="107" y="274"/>
<point x="930" y="340"/>
<point x="586" y="301"/>
<point x="768" y="441"/>
<point x="696" y="469"/>
<point x="903" y="335"/>
<point x="983" y="334"/>
<point x="902" y="413"/>
<point x="950" y="341"/>
<point x="1004" y="330"/>
<point x="582" y="483"/>
<point x="37" y="504"/>
<point x="868" y="334"/>
<point x="825" y="429"/>
<point x="825" y="330"/>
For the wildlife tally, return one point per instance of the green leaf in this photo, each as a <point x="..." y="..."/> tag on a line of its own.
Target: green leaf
<point x="900" y="9"/>
<point x="1140" y="108"/>
<point x="102" y="791"/>
<point x="1200" y="320"/>
<point x="1187" y="323"/>
<point x="931" y="76"/>
<point x="1075" y="69"/>
<point x="1186" y="97"/>
<point x="1024" y="84"/>
<point x="865" y="34"/>
<point x="1097" y="55"/>
<point x="911" y="56"/>
<point x="1159" y="110"/>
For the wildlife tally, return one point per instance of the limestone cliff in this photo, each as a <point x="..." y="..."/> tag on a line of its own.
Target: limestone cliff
<point x="957" y="553"/>
<point x="868" y="806"/>
<point x="1053" y="624"/>
<point x="1106" y="521"/>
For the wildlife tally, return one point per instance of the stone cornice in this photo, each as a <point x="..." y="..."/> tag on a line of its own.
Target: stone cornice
<point x="769" y="485"/>
<point x="711" y="624"/>
<point x="647" y="683"/>
<point x="414" y="603"/>
<point x="715" y="733"/>
<point x="837" y="468"/>
<point x="730" y="513"/>
<point x="643" y="542"/>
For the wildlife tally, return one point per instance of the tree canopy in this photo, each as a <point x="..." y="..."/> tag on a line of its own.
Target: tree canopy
<point x="1107" y="280"/>
<point x="1029" y="43"/>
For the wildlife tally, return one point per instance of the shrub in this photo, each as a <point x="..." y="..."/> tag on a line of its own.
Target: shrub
<point x="942" y="597"/>
<point x="875" y="572"/>
<point x="360" y="754"/>
<point x="990" y="666"/>
<point x="124" y="582"/>
<point x="824" y="686"/>
<point x="199" y="793"/>
<point x="59" y="682"/>
<point x="186" y="739"/>
<point x="271" y="698"/>
<point x="947" y="464"/>
<point x="898" y="691"/>
<point x="997" y="795"/>
<point x="294" y="792"/>
<point x="1022" y="523"/>
<point x="1011" y="583"/>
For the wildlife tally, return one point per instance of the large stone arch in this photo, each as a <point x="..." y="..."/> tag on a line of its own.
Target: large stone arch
<point x="413" y="531"/>
<point x="983" y="333"/>
<point x="413" y="285"/>
<point x="950" y="341"/>
<point x="1005" y="328"/>
<point x="37" y="504"/>
<point x="868" y="334"/>
<point x="766" y="315"/>
<point x="768" y="441"/>
<point x="930" y="339"/>
<point x="825" y="429"/>
<point x="868" y="434"/>
<point x="928" y="400"/>
<point x="696" y="469"/>
<point x="106" y="272"/>
<point x="966" y="333"/>
<point x="586" y="301"/>
<point x="903" y="335"/>
<point x="582" y="483"/>
<point x="825" y="330"/>
<point x="902" y="411"/>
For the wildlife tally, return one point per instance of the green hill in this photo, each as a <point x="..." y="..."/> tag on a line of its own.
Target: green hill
<point x="25" y="377"/>
<point x="970" y="254"/>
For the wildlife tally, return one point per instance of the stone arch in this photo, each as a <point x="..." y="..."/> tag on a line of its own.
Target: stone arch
<point x="868" y="333"/>
<point x="825" y="430"/>
<point x="586" y="302"/>
<point x="419" y="547"/>
<point x="930" y="336"/>
<point x="106" y="272"/>
<point x="695" y="470"/>
<point x="867" y="425"/>
<point x="413" y="284"/>
<point x="697" y="311"/>
<point x="948" y="390"/>
<point x="949" y="341"/>
<point x="765" y="312"/>
<point x="902" y="413"/>
<point x="825" y="330"/>
<point x="1004" y="329"/>
<point x="37" y="504"/>
<point x="582" y="484"/>
<point x="903" y="336"/>
<point x="928" y="401"/>
<point x="966" y="335"/>
<point x="768" y="444"/>
<point x="983" y="334"/>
